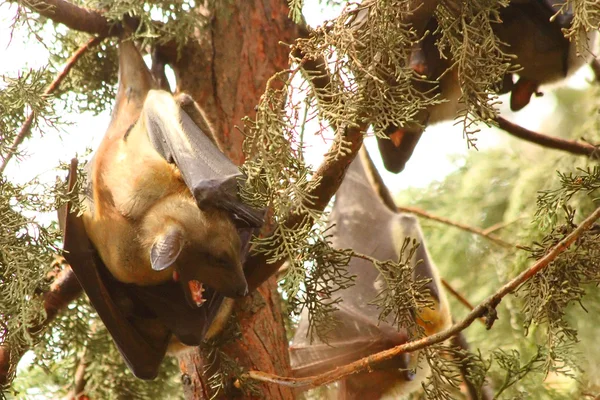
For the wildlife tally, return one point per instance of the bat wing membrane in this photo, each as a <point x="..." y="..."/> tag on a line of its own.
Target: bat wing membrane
<point x="141" y="355"/>
<point x="207" y="172"/>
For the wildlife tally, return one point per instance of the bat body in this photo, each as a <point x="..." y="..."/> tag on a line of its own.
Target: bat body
<point x="365" y="224"/>
<point x="425" y="60"/>
<point x="163" y="236"/>
<point x="526" y="31"/>
<point x="144" y="219"/>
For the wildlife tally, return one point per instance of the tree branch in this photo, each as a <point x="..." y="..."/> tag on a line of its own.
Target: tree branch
<point x="26" y="128"/>
<point x="462" y="299"/>
<point x="483" y="309"/>
<point x="64" y="289"/>
<point x="570" y="146"/>
<point x="79" y="381"/>
<point x="476" y="231"/>
<point x="329" y="175"/>
<point x="75" y="17"/>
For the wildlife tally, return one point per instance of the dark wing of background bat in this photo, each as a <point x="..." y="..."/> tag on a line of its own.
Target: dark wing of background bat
<point x="364" y="223"/>
<point x="140" y="319"/>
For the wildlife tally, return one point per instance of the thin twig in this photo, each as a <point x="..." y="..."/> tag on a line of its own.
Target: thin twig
<point x="483" y="309"/>
<point x="462" y="299"/>
<point x="456" y="294"/>
<point x="75" y="17"/>
<point x="476" y="231"/>
<point x="384" y="194"/>
<point x="570" y="146"/>
<point x="500" y="225"/>
<point x="26" y="128"/>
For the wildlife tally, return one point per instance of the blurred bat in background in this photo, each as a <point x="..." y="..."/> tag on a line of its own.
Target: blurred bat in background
<point x="365" y="224"/>
<point x="164" y="234"/>
<point x="544" y="54"/>
<point x="528" y="32"/>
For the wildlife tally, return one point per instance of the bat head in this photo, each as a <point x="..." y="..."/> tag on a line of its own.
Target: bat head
<point x="196" y="247"/>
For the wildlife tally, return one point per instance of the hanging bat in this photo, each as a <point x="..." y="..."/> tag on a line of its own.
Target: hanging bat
<point x="164" y="234"/>
<point x="425" y="60"/>
<point x="543" y="52"/>
<point x="528" y="32"/>
<point x="362" y="222"/>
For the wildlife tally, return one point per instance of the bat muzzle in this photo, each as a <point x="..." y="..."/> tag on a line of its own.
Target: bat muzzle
<point x="194" y="283"/>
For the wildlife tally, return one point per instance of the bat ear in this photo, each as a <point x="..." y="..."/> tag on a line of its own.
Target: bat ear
<point x="166" y="248"/>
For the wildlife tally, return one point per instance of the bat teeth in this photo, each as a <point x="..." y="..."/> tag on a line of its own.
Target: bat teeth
<point x="196" y="290"/>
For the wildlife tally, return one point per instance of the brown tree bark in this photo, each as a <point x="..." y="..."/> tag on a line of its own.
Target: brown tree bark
<point x="228" y="64"/>
<point x="226" y="68"/>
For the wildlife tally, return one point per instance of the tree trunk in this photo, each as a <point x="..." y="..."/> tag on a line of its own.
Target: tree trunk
<point x="226" y="69"/>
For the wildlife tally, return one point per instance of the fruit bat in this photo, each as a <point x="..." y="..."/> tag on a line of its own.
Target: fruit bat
<point x="164" y="235"/>
<point x="527" y="31"/>
<point x="544" y="54"/>
<point x="425" y="60"/>
<point x="362" y="222"/>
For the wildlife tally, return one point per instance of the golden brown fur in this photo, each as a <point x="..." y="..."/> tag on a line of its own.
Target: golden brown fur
<point x="137" y="196"/>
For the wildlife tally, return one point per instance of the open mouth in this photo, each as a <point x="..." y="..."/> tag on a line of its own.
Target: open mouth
<point x="195" y="290"/>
